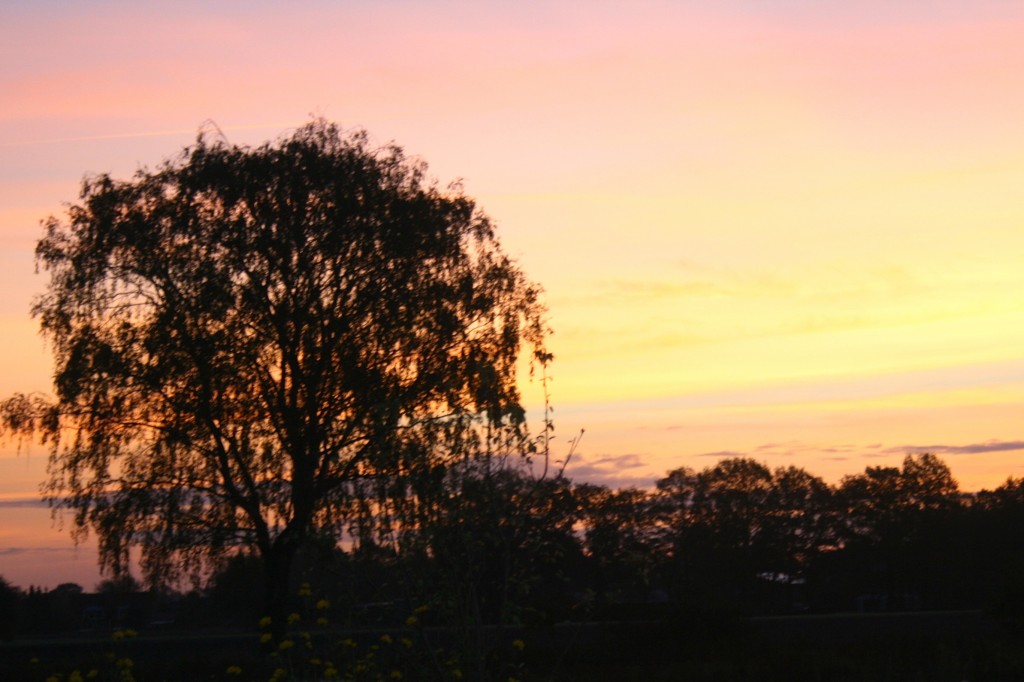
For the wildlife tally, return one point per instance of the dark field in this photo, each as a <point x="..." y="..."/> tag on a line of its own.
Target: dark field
<point x="925" y="646"/>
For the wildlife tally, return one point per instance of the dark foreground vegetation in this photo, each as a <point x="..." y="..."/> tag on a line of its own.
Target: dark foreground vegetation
<point x="733" y="572"/>
<point x="925" y="646"/>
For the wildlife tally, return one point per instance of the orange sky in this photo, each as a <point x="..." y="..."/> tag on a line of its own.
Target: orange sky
<point x="786" y="230"/>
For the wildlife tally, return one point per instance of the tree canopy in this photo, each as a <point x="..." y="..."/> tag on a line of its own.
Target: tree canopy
<point x="246" y="337"/>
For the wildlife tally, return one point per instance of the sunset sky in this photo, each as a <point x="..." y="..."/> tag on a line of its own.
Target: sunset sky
<point x="789" y="230"/>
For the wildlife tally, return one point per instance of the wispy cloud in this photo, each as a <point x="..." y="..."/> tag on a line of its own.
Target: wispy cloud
<point x="615" y="471"/>
<point x="849" y="389"/>
<point x="625" y="289"/>
<point x="970" y="449"/>
<point x="821" y="287"/>
<point x="617" y="462"/>
<point x="21" y="551"/>
<point x="22" y="501"/>
<point x="722" y="454"/>
<point x="208" y="127"/>
<point x="852" y="451"/>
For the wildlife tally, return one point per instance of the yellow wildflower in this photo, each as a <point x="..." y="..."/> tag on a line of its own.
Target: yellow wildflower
<point x="407" y="642"/>
<point x="323" y="605"/>
<point x="285" y="644"/>
<point x="265" y="637"/>
<point x="321" y="621"/>
<point x="411" y="620"/>
<point x="293" y="618"/>
<point x="518" y="644"/>
<point x="75" y="676"/>
<point x="125" y="663"/>
<point x="265" y="622"/>
<point x="386" y="639"/>
<point x="396" y="674"/>
<point x="234" y="670"/>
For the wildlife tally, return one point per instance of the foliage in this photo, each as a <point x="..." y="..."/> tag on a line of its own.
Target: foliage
<point x="311" y="650"/>
<point x="10" y="596"/>
<point x="621" y="538"/>
<point x="255" y="343"/>
<point x="882" y="497"/>
<point x="486" y="544"/>
<point x="737" y="528"/>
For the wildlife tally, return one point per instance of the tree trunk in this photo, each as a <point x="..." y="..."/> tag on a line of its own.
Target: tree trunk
<point x="277" y="567"/>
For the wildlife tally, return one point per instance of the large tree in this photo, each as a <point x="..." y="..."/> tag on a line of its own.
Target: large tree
<point x="245" y="336"/>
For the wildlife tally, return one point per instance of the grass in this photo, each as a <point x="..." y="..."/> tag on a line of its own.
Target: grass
<point x="916" y="647"/>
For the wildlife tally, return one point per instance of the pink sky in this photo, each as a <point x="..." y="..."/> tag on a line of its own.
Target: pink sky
<point x="785" y="230"/>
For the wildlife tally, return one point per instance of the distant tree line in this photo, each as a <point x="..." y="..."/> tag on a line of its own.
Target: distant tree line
<point x="491" y="542"/>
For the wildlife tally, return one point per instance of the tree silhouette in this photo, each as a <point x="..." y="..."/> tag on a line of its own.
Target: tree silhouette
<point x="800" y="520"/>
<point x="897" y="529"/>
<point x="245" y="337"/>
<point x="882" y="499"/>
<point x="621" y="537"/>
<point x="9" y="598"/>
<point x="744" y="533"/>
